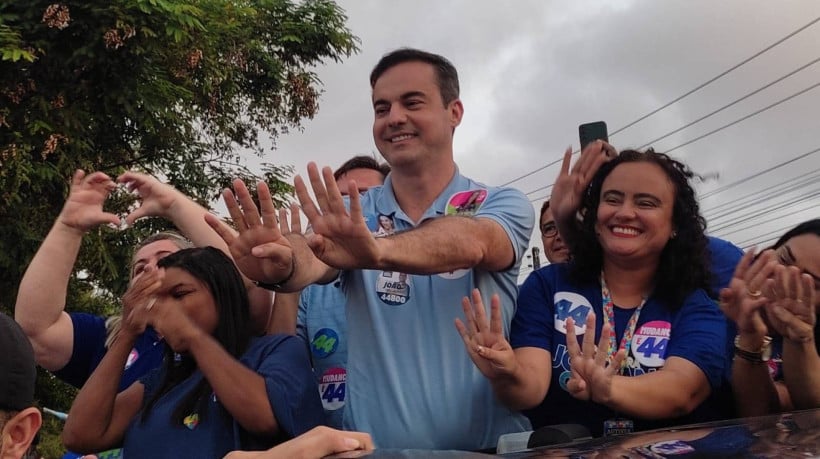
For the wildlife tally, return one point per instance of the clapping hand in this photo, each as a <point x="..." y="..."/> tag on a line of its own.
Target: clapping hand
<point x="743" y="299"/>
<point x="791" y="311"/>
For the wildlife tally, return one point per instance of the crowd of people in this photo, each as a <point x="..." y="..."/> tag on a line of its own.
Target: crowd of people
<point x="639" y="321"/>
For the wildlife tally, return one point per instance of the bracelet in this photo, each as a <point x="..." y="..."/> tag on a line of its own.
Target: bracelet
<point x="276" y="286"/>
<point x="760" y="356"/>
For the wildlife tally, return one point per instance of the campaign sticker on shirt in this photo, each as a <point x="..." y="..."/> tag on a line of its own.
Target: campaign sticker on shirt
<point x="671" y="448"/>
<point x="569" y="304"/>
<point x="325" y="342"/>
<point x="457" y="274"/>
<point x="132" y="358"/>
<point x="465" y="202"/>
<point x="649" y="343"/>
<point x="332" y="388"/>
<point x="385" y="225"/>
<point x="191" y="421"/>
<point x="393" y="287"/>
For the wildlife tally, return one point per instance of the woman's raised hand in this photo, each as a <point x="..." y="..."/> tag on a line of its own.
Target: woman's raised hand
<point x="485" y="342"/>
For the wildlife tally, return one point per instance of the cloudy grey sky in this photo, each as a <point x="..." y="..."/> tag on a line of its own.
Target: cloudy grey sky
<point x="531" y="71"/>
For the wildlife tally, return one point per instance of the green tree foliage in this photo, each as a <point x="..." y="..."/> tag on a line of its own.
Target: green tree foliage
<point x="175" y="88"/>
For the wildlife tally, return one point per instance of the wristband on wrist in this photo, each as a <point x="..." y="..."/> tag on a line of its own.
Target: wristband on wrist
<point x="276" y="286"/>
<point x="761" y="355"/>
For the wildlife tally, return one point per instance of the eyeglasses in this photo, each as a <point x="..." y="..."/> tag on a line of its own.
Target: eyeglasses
<point x="549" y="229"/>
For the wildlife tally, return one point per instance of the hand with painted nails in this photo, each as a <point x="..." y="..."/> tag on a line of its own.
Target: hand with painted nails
<point x="591" y="372"/>
<point x="571" y="185"/>
<point x="83" y="209"/>
<point x="340" y="237"/>
<point x="747" y="292"/>
<point x="485" y="342"/>
<point x="157" y="199"/>
<point x="260" y="250"/>
<point x="791" y="311"/>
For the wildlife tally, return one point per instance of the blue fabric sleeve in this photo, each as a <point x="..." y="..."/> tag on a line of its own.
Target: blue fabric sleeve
<point x="723" y="259"/>
<point x="294" y="397"/>
<point x="89" y="347"/>
<point x="699" y="336"/>
<point x="513" y="211"/>
<point x="532" y="325"/>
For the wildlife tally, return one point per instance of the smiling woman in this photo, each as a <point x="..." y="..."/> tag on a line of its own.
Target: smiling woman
<point x="636" y="285"/>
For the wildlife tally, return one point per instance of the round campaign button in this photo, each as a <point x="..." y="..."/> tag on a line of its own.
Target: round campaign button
<point x="650" y="342"/>
<point x="325" y="342"/>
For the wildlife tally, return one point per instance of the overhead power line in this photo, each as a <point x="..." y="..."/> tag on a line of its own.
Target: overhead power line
<point x="779" y="189"/>
<point x="719" y="76"/>
<point x="744" y="118"/>
<point x="758" y="174"/>
<point x="677" y="99"/>
<point x="736" y="101"/>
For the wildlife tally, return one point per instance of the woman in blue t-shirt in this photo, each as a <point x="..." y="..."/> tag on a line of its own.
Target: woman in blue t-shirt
<point x="652" y="346"/>
<point x="774" y="299"/>
<point x="218" y="389"/>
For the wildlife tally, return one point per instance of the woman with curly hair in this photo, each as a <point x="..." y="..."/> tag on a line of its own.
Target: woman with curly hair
<point x="652" y="342"/>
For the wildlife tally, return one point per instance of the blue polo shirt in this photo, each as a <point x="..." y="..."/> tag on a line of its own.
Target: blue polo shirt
<point x="321" y="323"/>
<point x="410" y="382"/>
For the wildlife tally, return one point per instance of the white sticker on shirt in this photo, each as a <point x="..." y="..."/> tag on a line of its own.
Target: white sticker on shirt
<point x="393" y="287"/>
<point x="569" y="304"/>
<point x="650" y="342"/>
<point x="332" y="388"/>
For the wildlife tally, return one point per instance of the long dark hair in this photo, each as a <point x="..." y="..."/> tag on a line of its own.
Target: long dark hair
<point x="807" y="227"/>
<point x="218" y="272"/>
<point x="684" y="264"/>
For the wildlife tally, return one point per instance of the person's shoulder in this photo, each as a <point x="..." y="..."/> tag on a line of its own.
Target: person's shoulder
<point x="723" y="248"/>
<point x="555" y="275"/>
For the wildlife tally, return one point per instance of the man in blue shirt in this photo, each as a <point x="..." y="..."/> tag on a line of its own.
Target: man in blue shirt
<point x="409" y="383"/>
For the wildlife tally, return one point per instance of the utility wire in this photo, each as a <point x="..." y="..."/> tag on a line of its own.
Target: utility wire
<point x="712" y="80"/>
<point x="758" y="174"/>
<point x="679" y="98"/>
<point x="789" y="185"/>
<point x="761" y="212"/>
<point x="729" y="216"/>
<point x="736" y="101"/>
<point x="755" y="113"/>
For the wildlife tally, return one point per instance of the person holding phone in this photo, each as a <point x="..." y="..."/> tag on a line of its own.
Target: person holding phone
<point x="635" y="292"/>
